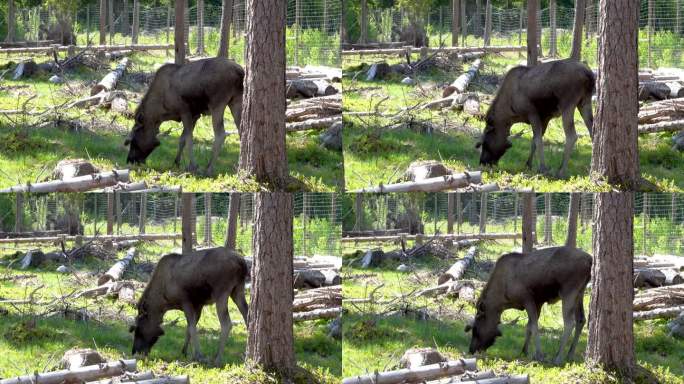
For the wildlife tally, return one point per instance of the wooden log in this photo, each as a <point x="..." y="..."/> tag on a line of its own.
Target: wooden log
<point x="302" y="88"/>
<point x="327" y="313"/>
<point x="456" y="271"/>
<point x="435" y="184"/>
<point x="420" y="374"/>
<point x="54" y="239"/>
<point x="117" y="270"/>
<point x="77" y="184"/>
<point x="115" y="55"/>
<point x="671" y="109"/>
<point x="461" y="83"/>
<point x="486" y="378"/>
<point x="648" y="277"/>
<point x="306" y="125"/>
<point x="400" y="51"/>
<point x="396" y="238"/>
<point x="110" y="80"/>
<point x="87" y="373"/>
<point x="661" y="313"/>
<point x="165" y="380"/>
<point x="666" y="126"/>
<point x="324" y="88"/>
<point x="127" y="378"/>
<point x="95" y="48"/>
<point x="672" y="277"/>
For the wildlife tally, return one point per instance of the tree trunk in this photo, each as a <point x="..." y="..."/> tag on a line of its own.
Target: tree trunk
<point x="477" y="21"/>
<point x="611" y="339"/>
<point x="226" y="19"/>
<point x="615" y="156"/>
<point x="200" y="27"/>
<point x="110" y="213"/>
<point x="548" y="220"/>
<point x="483" y="212"/>
<point x="552" y="25"/>
<point x="179" y="33"/>
<point x="343" y="22"/>
<point x="103" y="22"/>
<point x="450" y="212"/>
<point x="110" y="15"/>
<point x="488" y="23"/>
<point x="207" y="219"/>
<point x="573" y="211"/>
<point x="11" y="21"/>
<point x="262" y="140"/>
<point x="125" y="22"/>
<point x="143" y="213"/>
<point x="233" y="211"/>
<point x="136" y="21"/>
<point x="364" y="22"/>
<point x="532" y="49"/>
<point x="19" y="212"/>
<point x="455" y="19"/>
<point x="187" y="214"/>
<point x="528" y="213"/>
<point x="270" y="341"/>
<point x="576" y="52"/>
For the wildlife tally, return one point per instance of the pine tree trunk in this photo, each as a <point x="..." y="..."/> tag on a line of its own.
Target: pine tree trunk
<point x="270" y="344"/>
<point x="615" y="156"/>
<point x="573" y="211"/>
<point x="103" y="22"/>
<point x="233" y="211"/>
<point x="136" y="21"/>
<point x="477" y="21"/>
<point x="226" y="19"/>
<point x="532" y="49"/>
<point x="611" y="339"/>
<point x="179" y="33"/>
<point x="455" y="18"/>
<point x="364" y="22"/>
<point x="343" y="22"/>
<point x="528" y="213"/>
<point x="125" y="22"/>
<point x="187" y="213"/>
<point x="576" y="52"/>
<point x="262" y="139"/>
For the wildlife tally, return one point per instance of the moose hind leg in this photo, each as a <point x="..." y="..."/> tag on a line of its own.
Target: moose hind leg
<point x="226" y="325"/>
<point x="192" y="316"/>
<point x="587" y="115"/>
<point x="580" y="320"/>
<point x="219" y="136"/>
<point x="568" y="323"/>
<point x="188" y="128"/>
<point x="198" y="312"/>
<point x="570" y="140"/>
<point x="538" y="134"/>
<point x="238" y="296"/>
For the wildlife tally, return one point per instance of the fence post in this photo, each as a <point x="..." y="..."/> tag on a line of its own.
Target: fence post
<point x="573" y="210"/>
<point x="207" y="219"/>
<point x="88" y="25"/>
<point x="187" y="221"/>
<point x="364" y="22"/>
<point x="103" y="21"/>
<point x="358" y="209"/>
<point x="136" y="23"/>
<point x="143" y="213"/>
<point x="552" y="21"/>
<point x="678" y="26"/>
<point x="520" y="27"/>
<point x="125" y="21"/>
<point x="200" y="27"/>
<point x="111" y="22"/>
<point x="644" y="224"/>
<point x="548" y="220"/>
<point x="477" y="21"/>
<point x="110" y="213"/>
<point x="450" y="210"/>
<point x="298" y="21"/>
<point x="305" y="222"/>
<point x="488" y="23"/>
<point x="175" y="216"/>
<point x="19" y="213"/>
<point x="455" y="10"/>
<point x="528" y="213"/>
<point x="233" y="210"/>
<point x="673" y="211"/>
<point x="464" y="24"/>
<point x="515" y="216"/>
<point x="434" y="213"/>
<point x="483" y="212"/>
<point x="117" y="196"/>
<point x="651" y="6"/>
<point x="11" y="21"/>
<point x="459" y="210"/>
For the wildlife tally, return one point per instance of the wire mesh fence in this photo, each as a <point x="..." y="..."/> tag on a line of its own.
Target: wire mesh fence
<point x="316" y="228"/>
<point x="660" y="29"/>
<point x="658" y="217"/>
<point x="313" y="27"/>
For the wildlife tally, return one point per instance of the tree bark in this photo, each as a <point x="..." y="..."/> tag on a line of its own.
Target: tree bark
<point x="455" y="19"/>
<point x="528" y="213"/>
<point x="611" y="339"/>
<point x="615" y="156"/>
<point x="226" y="19"/>
<point x="573" y="211"/>
<point x="233" y="210"/>
<point x="270" y="341"/>
<point x="179" y="33"/>
<point x="103" y="22"/>
<point x="576" y="52"/>
<point x="532" y="49"/>
<point x="262" y="140"/>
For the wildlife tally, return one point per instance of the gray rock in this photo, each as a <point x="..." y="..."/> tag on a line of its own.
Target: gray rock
<point x="76" y="358"/>
<point x="678" y="141"/>
<point x="56" y="79"/>
<point x="408" y="81"/>
<point x="403" y="268"/>
<point x="418" y="357"/>
<point x="335" y="328"/>
<point x="63" y="269"/>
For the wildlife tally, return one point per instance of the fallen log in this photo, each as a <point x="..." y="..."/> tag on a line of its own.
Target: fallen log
<point x="514" y="379"/>
<point x="666" y="126"/>
<point x="116" y="271"/>
<point x="655" y="112"/>
<point x="453" y="237"/>
<point x="104" y="48"/>
<point x="165" y="380"/>
<point x="327" y="313"/>
<point x="644" y="302"/>
<point x="110" y="80"/>
<point x="79" y="375"/>
<point x="420" y="374"/>
<point x="435" y="184"/>
<point x="456" y="271"/>
<point x="55" y="239"/>
<point x="126" y="378"/>
<point x="311" y="111"/>
<point x="399" y="51"/>
<point x="648" y="278"/>
<point x="461" y="83"/>
<point x="673" y="277"/>
<point x="306" y="125"/>
<point x="661" y="313"/>
<point x="308" y="278"/>
<point x="77" y="184"/>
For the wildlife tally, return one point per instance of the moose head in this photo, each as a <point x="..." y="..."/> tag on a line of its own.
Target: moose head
<point x="485" y="329"/>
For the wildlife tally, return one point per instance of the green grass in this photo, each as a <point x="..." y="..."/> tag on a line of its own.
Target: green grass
<point x="28" y="154"/>
<point x="372" y="342"/>
<point x="29" y="348"/>
<point x="375" y="152"/>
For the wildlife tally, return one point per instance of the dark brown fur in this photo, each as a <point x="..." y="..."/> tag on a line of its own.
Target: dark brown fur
<point x="188" y="283"/>
<point x="535" y="95"/>
<point x="526" y="282"/>
<point x="184" y="93"/>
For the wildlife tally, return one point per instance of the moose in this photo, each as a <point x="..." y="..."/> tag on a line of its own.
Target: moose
<point x="184" y="93"/>
<point x="188" y="283"/>
<point x="535" y="95"/>
<point x="526" y="282"/>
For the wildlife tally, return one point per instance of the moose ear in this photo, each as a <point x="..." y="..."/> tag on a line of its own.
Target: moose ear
<point x="131" y="328"/>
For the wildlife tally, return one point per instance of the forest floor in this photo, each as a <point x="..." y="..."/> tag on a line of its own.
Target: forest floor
<point x="375" y="341"/>
<point x="32" y="342"/>
<point x="378" y="149"/>
<point x="29" y="152"/>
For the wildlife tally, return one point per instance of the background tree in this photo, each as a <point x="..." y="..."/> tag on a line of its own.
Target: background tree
<point x="576" y="52"/>
<point x="233" y="210"/>
<point x="226" y="18"/>
<point x="262" y="139"/>
<point x="532" y="49"/>
<point x="179" y="33"/>
<point x="573" y="213"/>
<point x="270" y="341"/>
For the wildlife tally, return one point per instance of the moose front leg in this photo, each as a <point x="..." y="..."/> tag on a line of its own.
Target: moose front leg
<point x="191" y="317"/>
<point x="570" y="140"/>
<point x="219" y="136"/>
<point x="186" y="140"/>
<point x="538" y="134"/>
